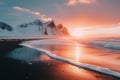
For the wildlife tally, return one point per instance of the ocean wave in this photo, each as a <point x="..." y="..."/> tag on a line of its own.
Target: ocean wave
<point x="111" y="44"/>
<point x="90" y="67"/>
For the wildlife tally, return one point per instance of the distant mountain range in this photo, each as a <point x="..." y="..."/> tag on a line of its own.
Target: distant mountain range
<point x="35" y="28"/>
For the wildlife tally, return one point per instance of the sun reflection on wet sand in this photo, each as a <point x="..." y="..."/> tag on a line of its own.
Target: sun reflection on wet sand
<point x="77" y="53"/>
<point x="44" y="58"/>
<point x="104" y="58"/>
<point x="64" y="71"/>
<point x="63" y="57"/>
<point x="71" y="53"/>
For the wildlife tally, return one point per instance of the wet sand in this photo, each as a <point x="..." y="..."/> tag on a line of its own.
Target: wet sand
<point x="50" y="69"/>
<point x="105" y="58"/>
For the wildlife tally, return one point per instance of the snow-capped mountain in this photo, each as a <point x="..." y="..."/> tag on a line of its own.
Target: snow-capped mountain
<point x="35" y="28"/>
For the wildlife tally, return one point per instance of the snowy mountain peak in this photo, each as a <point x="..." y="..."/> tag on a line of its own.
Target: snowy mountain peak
<point x="36" y="28"/>
<point x="52" y="24"/>
<point x="60" y="26"/>
<point x="36" y="22"/>
<point x="4" y="26"/>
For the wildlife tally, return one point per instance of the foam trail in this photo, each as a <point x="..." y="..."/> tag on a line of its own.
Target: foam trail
<point x="94" y="68"/>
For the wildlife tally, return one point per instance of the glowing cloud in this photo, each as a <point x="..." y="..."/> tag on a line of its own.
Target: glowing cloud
<point x="38" y="14"/>
<point x="87" y="1"/>
<point x="74" y="2"/>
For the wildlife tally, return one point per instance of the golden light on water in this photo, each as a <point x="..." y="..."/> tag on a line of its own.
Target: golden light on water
<point x="71" y="52"/>
<point x="44" y="58"/>
<point x="77" y="56"/>
<point x="77" y="32"/>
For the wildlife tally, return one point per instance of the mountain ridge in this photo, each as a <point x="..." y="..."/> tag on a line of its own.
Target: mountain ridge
<point x="35" y="28"/>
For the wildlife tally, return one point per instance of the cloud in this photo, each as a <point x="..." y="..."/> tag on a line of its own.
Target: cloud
<point x="38" y="14"/>
<point x="87" y="1"/>
<point x="74" y="2"/>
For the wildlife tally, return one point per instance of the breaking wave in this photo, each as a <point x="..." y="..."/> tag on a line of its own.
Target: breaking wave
<point x="111" y="44"/>
<point x="35" y="45"/>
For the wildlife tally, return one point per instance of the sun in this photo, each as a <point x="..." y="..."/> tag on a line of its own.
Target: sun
<point x="77" y="32"/>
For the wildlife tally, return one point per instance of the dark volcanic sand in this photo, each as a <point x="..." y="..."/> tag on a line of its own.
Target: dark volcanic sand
<point x="13" y="69"/>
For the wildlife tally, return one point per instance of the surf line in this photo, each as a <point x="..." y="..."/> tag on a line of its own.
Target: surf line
<point x="89" y="67"/>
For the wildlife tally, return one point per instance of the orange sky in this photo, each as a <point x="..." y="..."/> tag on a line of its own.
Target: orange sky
<point x="72" y="14"/>
<point x="89" y="13"/>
